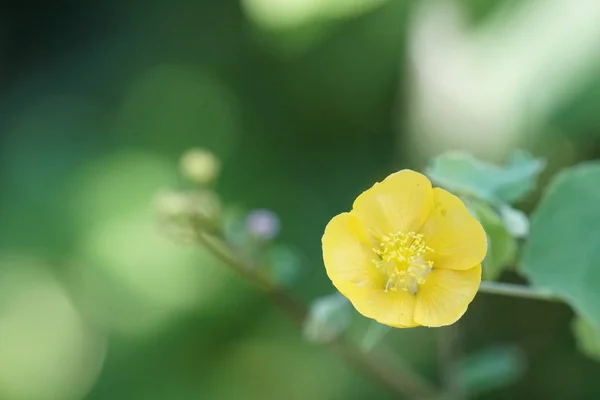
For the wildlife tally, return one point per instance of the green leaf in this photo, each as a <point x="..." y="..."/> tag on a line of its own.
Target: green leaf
<point x="563" y="252"/>
<point x="502" y="247"/>
<point x="516" y="221"/>
<point x="519" y="176"/>
<point x="463" y="173"/>
<point x="588" y="337"/>
<point x="328" y="318"/>
<point x="491" y="369"/>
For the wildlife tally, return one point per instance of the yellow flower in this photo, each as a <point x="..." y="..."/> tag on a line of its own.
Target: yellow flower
<point x="407" y="254"/>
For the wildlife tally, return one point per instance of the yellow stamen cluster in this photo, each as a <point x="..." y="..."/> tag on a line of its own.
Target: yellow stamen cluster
<point x="401" y="256"/>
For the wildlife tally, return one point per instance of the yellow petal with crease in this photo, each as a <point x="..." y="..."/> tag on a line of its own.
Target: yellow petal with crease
<point x="456" y="237"/>
<point x="445" y="296"/>
<point x="389" y="308"/>
<point x="347" y="256"/>
<point x="401" y="202"/>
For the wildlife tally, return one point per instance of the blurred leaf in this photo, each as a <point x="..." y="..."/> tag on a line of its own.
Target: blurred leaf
<point x="289" y="14"/>
<point x="562" y="253"/>
<point x="463" y="173"/>
<point x="283" y="265"/>
<point x="128" y="274"/>
<point x="515" y="221"/>
<point x="588" y="338"/>
<point x="493" y="368"/>
<point x="328" y="318"/>
<point x="44" y="339"/>
<point x="136" y="256"/>
<point x="118" y="185"/>
<point x="502" y="247"/>
<point x="287" y="369"/>
<point x="168" y="108"/>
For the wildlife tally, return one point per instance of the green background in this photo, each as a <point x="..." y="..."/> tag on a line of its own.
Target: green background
<point x="99" y="99"/>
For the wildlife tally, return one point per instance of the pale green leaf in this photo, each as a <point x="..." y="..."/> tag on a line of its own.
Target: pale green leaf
<point x="328" y="318"/>
<point x="502" y="246"/>
<point x="515" y="221"/>
<point x="464" y="174"/>
<point x="563" y="251"/>
<point x="374" y="334"/>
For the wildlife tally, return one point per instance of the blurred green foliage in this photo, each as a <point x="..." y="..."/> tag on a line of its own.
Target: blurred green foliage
<point x="491" y="369"/>
<point x="99" y="101"/>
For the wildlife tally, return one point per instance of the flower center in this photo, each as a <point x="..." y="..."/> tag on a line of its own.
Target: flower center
<point x="401" y="256"/>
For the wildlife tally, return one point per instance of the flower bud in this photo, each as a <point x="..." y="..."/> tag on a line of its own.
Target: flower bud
<point x="200" y="165"/>
<point x="263" y="224"/>
<point x="205" y="205"/>
<point x="186" y="212"/>
<point x="172" y="204"/>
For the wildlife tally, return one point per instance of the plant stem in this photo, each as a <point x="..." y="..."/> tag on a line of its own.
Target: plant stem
<point x="401" y="381"/>
<point x="449" y="350"/>
<point x="287" y="304"/>
<point x="511" y="289"/>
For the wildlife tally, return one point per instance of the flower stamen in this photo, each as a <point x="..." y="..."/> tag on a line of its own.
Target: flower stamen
<point x="401" y="256"/>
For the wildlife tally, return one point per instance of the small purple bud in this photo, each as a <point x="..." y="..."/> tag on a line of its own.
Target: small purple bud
<point x="263" y="224"/>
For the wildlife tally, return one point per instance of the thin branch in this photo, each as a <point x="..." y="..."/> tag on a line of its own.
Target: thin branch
<point x="287" y="304"/>
<point x="401" y="381"/>
<point x="511" y="289"/>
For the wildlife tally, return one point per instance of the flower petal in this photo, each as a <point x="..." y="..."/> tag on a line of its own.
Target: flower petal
<point x="456" y="237"/>
<point x="401" y="202"/>
<point x="347" y="256"/>
<point x="445" y="296"/>
<point x="389" y="308"/>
